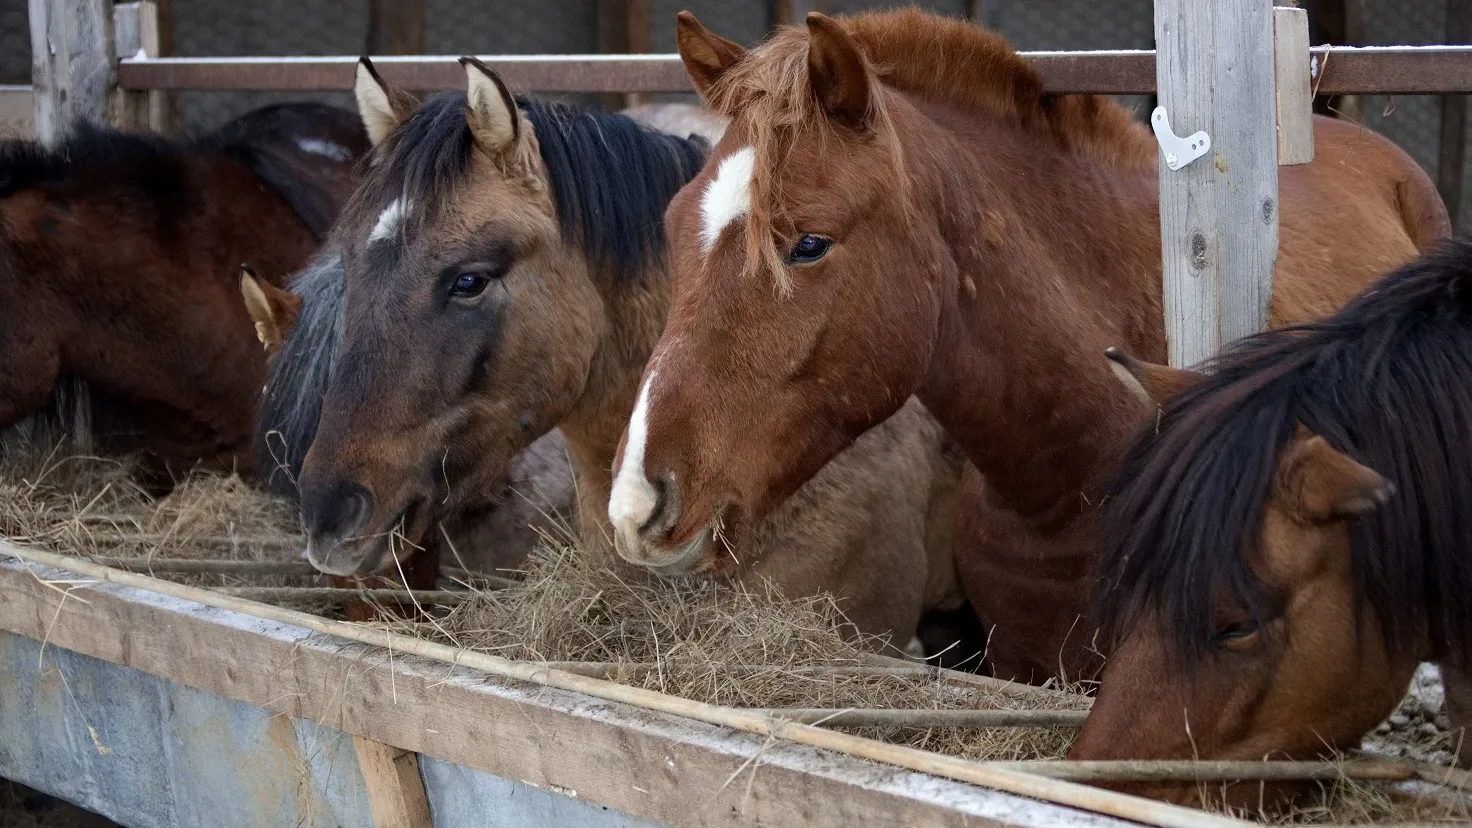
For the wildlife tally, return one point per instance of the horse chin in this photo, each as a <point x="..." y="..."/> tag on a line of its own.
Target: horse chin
<point x="686" y="560"/>
<point x="348" y="557"/>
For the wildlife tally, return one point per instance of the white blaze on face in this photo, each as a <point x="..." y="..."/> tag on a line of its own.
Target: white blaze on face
<point x="389" y="220"/>
<point x="728" y="197"/>
<point x="633" y="499"/>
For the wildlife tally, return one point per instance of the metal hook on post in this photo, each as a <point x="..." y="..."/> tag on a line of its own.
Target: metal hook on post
<point x="1178" y="151"/>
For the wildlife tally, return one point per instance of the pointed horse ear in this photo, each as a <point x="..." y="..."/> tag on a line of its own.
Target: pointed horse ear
<point x="273" y="310"/>
<point x="490" y="110"/>
<point x="380" y="107"/>
<point x="706" y="55"/>
<point x="1322" y="484"/>
<point x="1150" y="383"/>
<point x="838" y="72"/>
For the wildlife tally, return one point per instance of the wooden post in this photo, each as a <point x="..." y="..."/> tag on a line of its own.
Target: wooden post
<point x="396" y="27"/>
<point x="984" y="12"/>
<point x="395" y="790"/>
<point x="1453" y="145"/>
<point x="136" y="34"/>
<point x="1218" y="215"/>
<point x="1295" y="97"/>
<point x="73" y="64"/>
<point x="624" y="28"/>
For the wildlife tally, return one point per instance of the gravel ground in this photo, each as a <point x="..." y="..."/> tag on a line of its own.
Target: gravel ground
<point x="1419" y="728"/>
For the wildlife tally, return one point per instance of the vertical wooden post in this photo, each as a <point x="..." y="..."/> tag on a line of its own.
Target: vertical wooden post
<point x="1295" y="97"/>
<point x="1218" y="215"/>
<point x="73" y="64"/>
<point x="624" y="27"/>
<point x="136" y="33"/>
<point x="397" y="27"/>
<point x="395" y="790"/>
<point x="1453" y="145"/>
<point x="984" y="12"/>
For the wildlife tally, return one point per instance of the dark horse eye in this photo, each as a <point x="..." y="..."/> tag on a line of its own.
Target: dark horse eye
<point x="1238" y="632"/>
<point x="809" y="249"/>
<point x="470" y="285"/>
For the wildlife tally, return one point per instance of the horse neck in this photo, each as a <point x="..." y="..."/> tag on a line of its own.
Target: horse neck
<point x="1058" y="258"/>
<point x="634" y="317"/>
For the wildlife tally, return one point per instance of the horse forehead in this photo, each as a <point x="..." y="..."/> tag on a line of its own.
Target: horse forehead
<point x="727" y="196"/>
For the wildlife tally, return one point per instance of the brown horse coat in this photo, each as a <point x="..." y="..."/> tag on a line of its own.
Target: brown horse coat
<point x="921" y="218"/>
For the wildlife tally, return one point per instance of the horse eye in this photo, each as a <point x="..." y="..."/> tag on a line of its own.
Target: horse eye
<point x="809" y="249"/>
<point x="1239" y="633"/>
<point x="470" y="285"/>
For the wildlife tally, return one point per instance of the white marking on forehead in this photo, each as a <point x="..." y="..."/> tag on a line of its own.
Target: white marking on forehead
<point x="728" y="197"/>
<point x="633" y="498"/>
<point x="389" y="220"/>
<point x="328" y="149"/>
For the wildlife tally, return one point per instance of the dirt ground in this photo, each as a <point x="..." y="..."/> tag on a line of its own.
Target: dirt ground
<point x="21" y="807"/>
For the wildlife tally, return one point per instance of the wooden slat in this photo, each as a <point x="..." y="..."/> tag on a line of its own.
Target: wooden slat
<point x="397" y="27"/>
<point x="136" y="34"/>
<point x="1398" y="70"/>
<point x="1453" y="139"/>
<point x="1295" y="99"/>
<point x="642" y="763"/>
<point x="1218" y="215"/>
<point x="73" y="63"/>
<point x="395" y="790"/>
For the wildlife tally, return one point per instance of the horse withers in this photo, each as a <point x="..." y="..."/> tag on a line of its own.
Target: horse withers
<point x="119" y="256"/>
<point x="899" y="208"/>
<point x="1292" y="535"/>
<point x="506" y="273"/>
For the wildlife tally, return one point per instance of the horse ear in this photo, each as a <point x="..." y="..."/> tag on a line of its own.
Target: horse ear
<point x="1150" y="383"/>
<point x="273" y="310"/>
<point x="1322" y="484"/>
<point x="380" y="108"/>
<point x="490" y="110"/>
<point x="838" y="72"/>
<point x="706" y="55"/>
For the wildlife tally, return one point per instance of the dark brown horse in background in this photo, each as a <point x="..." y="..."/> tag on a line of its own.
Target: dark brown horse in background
<point x="1292" y="535"/>
<point x="119" y="262"/>
<point x="899" y="208"/>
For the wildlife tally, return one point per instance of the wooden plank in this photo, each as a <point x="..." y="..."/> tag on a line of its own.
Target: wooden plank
<point x="395" y="790"/>
<point x="1381" y="70"/>
<point x="397" y="27"/>
<point x="1219" y="215"/>
<point x="624" y="27"/>
<point x="136" y="34"/>
<point x="1295" y="99"/>
<point x="1453" y="139"/>
<point x="642" y="763"/>
<point x="72" y="64"/>
<point x="17" y="112"/>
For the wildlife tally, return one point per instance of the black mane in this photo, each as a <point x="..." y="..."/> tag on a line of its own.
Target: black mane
<point x="1387" y="381"/>
<point x="611" y="176"/>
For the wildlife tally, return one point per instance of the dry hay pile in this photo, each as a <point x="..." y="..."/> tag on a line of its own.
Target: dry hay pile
<point x="700" y="640"/>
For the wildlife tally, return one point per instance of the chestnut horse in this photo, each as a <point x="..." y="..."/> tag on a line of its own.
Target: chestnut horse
<point x="119" y="256"/>
<point x="506" y="274"/>
<point x="1269" y="593"/>
<point x="898" y="209"/>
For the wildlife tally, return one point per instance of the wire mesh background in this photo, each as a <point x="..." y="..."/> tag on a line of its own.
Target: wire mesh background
<point x="340" y="27"/>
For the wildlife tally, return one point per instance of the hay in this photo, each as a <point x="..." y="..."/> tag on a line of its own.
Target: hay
<point x="705" y="641"/>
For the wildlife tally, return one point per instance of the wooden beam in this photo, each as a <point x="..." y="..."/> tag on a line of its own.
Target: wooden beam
<point x="984" y="12"/>
<point x="1219" y="215"/>
<point x="1295" y="98"/>
<point x="73" y="64"/>
<point x="624" y="28"/>
<point x="397" y="27"/>
<point x="136" y="35"/>
<point x="1453" y="140"/>
<point x="395" y="790"/>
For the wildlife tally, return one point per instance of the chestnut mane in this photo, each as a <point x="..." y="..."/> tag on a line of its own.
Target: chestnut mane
<point x="925" y="56"/>
<point x="1385" y="381"/>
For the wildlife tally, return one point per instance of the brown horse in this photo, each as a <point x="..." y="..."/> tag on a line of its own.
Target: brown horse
<point x="506" y="274"/>
<point x="119" y="256"/>
<point x="1267" y="590"/>
<point x="899" y="208"/>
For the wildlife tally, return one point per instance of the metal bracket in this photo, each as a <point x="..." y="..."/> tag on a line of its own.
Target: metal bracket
<point x="1178" y="151"/>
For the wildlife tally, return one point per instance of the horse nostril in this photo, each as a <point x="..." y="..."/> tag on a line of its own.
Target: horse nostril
<point x="340" y="511"/>
<point x="666" y="507"/>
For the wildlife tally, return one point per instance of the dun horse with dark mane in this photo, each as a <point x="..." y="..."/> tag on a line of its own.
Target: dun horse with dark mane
<point x="506" y="273"/>
<point x="1293" y="535"/>
<point x="898" y="209"/>
<point x="119" y="263"/>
